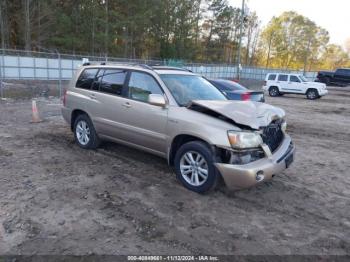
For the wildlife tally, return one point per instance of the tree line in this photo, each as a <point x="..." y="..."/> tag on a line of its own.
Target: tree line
<point x="191" y="30"/>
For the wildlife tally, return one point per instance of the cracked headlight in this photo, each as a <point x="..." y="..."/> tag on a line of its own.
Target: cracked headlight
<point x="241" y="140"/>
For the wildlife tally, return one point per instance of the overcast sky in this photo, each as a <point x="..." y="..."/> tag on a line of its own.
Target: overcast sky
<point x="332" y="15"/>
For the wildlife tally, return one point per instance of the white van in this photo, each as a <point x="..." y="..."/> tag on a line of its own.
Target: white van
<point x="279" y="84"/>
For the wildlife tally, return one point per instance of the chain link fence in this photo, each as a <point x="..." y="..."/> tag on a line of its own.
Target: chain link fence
<point x="49" y="72"/>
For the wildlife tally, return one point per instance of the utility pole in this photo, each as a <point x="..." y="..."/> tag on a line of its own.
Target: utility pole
<point x="240" y="41"/>
<point x="106" y="29"/>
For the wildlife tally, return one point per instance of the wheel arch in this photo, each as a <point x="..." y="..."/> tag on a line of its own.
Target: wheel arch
<point x="274" y="86"/>
<point x="178" y="141"/>
<point x="311" y="88"/>
<point x="75" y="114"/>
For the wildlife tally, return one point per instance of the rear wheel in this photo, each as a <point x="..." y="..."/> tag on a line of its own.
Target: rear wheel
<point x="84" y="132"/>
<point x="312" y="94"/>
<point x="194" y="167"/>
<point x="273" y="91"/>
<point x="327" y="81"/>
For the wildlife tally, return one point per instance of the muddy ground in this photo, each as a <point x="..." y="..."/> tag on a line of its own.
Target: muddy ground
<point x="56" y="198"/>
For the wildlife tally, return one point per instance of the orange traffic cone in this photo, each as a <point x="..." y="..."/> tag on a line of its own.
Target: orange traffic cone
<point x="35" y="113"/>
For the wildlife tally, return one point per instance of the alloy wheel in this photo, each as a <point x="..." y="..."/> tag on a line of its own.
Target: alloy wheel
<point x="83" y="132"/>
<point x="194" y="168"/>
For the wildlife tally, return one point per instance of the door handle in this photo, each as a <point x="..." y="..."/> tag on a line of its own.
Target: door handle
<point x="92" y="96"/>
<point x="127" y="105"/>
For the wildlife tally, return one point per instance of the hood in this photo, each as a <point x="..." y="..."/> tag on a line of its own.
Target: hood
<point x="247" y="113"/>
<point x="316" y="84"/>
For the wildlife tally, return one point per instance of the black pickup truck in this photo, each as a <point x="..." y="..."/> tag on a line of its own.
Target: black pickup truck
<point x="340" y="77"/>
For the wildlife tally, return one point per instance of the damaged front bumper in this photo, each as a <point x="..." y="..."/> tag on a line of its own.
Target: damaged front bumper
<point x="248" y="175"/>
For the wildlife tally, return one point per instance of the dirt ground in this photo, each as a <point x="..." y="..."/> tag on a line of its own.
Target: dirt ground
<point x="56" y="198"/>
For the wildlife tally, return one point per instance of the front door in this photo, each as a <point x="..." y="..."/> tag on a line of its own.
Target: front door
<point x="295" y="85"/>
<point x="146" y="123"/>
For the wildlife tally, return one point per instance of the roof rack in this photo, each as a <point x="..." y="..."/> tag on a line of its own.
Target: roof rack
<point x="145" y="66"/>
<point x="171" y="68"/>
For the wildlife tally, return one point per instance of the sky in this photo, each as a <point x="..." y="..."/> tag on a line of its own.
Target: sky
<point x="333" y="15"/>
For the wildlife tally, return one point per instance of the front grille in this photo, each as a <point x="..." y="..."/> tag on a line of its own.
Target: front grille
<point x="273" y="135"/>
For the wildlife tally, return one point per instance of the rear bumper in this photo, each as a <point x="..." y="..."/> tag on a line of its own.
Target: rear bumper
<point x="245" y="176"/>
<point x="67" y="114"/>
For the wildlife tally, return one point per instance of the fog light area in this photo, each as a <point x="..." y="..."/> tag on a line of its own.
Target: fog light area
<point x="260" y="176"/>
<point x="241" y="158"/>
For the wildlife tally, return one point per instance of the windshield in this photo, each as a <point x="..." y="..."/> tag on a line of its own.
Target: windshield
<point x="186" y="88"/>
<point x="303" y="78"/>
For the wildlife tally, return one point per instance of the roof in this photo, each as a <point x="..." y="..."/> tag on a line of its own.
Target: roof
<point x="158" y="69"/>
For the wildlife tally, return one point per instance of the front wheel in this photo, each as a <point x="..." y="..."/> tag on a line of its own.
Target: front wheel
<point x="194" y="167"/>
<point x="312" y="94"/>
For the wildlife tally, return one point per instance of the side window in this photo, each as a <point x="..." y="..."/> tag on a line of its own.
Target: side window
<point x="339" y="72"/>
<point x="112" y="82"/>
<point x="294" y="79"/>
<point x="272" y="77"/>
<point x="343" y="72"/>
<point x="282" y="77"/>
<point x="97" y="81"/>
<point x="141" y="85"/>
<point x="86" y="78"/>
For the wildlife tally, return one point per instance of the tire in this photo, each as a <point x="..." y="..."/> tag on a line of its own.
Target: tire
<point x="327" y="81"/>
<point x="191" y="175"/>
<point x="312" y="94"/>
<point x="273" y="91"/>
<point x="83" y="126"/>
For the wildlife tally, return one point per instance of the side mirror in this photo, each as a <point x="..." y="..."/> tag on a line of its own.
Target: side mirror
<point x="156" y="100"/>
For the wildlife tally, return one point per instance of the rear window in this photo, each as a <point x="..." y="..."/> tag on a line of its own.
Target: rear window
<point x="86" y="78"/>
<point x="272" y="77"/>
<point x="112" y="82"/>
<point x="282" y="77"/>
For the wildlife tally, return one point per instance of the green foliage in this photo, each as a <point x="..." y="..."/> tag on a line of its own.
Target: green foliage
<point x="294" y="41"/>
<point x="192" y="30"/>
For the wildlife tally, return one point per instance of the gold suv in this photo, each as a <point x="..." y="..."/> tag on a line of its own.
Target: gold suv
<point x="178" y="115"/>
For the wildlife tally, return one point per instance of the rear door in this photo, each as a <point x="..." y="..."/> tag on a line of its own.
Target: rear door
<point x="282" y="81"/>
<point x="107" y="96"/>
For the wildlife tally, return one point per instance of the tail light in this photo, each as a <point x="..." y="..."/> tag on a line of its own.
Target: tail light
<point x="64" y="99"/>
<point x="245" y="96"/>
<point x="265" y="83"/>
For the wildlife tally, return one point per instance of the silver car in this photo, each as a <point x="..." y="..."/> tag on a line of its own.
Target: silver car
<point x="180" y="116"/>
